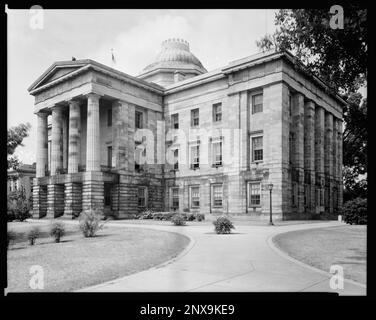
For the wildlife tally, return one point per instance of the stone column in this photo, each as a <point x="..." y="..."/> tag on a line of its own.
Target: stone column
<point x="39" y="200"/>
<point x="57" y="140"/>
<point x="309" y="153"/>
<point x="74" y="136"/>
<point x="319" y="152"/>
<point x="55" y="200"/>
<point x="65" y="132"/>
<point x="335" y="165"/>
<point x="120" y="135"/>
<point x="42" y="145"/>
<point x="245" y="152"/>
<point x="298" y="156"/>
<point x="339" y="162"/>
<point x="328" y="161"/>
<point x="93" y="155"/>
<point x="73" y="199"/>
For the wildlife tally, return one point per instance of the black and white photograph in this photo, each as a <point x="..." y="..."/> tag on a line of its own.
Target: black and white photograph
<point x="186" y="151"/>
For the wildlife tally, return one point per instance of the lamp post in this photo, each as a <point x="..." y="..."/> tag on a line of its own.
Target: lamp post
<point x="270" y="186"/>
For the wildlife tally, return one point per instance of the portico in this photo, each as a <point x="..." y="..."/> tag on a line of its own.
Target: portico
<point x="83" y="150"/>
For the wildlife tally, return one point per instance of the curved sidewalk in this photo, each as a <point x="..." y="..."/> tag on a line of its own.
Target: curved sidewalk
<point x="244" y="261"/>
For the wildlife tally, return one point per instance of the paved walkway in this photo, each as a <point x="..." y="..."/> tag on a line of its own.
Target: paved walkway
<point x="244" y="261"/>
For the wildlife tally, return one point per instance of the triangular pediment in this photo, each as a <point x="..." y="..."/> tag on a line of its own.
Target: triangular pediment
<point x="57" y="71"/>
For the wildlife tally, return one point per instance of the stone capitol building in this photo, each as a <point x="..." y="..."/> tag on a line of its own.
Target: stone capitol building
<point x="180" y="138"/>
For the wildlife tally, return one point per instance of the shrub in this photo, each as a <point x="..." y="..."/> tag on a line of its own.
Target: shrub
<point x="355" y="211"/>
<point x="18" y="206"/>
<point x="33" y="234"/>
<point x="147" y="214"/>
<point x="57" y="231"/>
<point x="200" y="217"/>
<point x="190" y="217"/>
<point x="223" y="225"/>
<point x="178" y="220"/>
<point x="11" y="236"/>
<point x="90" y="222"/>
<point x="162" y="215"/>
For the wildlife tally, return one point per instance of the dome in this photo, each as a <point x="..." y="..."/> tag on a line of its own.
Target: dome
<point x="174" y="56"/>
<point x="175" y="53"/>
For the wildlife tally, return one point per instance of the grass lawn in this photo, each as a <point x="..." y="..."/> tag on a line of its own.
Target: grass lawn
<point x="78" y="262"/>
<point x="345" y="246"/>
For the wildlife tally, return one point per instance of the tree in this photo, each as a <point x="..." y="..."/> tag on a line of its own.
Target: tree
<point x="339" y="57"/>
<point x="15" y="138"/>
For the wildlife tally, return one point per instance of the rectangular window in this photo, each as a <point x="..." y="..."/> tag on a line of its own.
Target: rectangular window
<point x="307" y="195"/>
<point x="142" y="196"/>
<point x="195" y="117"/>
<point x="254" y="194"/>
<point x="291" y="146"/>
<point x="195" y="157"/>
<point x="217" y="153"/>
<point x="294" y="194"/>
<point x="139" y="120"/>
<point x="327" y="196"/>
<point x="107" y="194"/>
<point x="109" y="156"/>
<point x="257" y="149"/>
<point x="321" y="197"/>
<point x="257" y="103"/>
<point x="335" y="198"/>
<point x="176" y="159"/>
<point x="217" y="112"/>
<point x="109" y="117"/>
<point x="195" y="197"/>
<point x="217" y="195"/>
<point x="175" y="121"/>
<point x="175" y="198"/>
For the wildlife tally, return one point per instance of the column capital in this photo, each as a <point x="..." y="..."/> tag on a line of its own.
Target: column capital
<point x="310" y="103"/>
<point x="116" y="102"/>
<point x="73" y="102"/>
<point x="93" y="95"/>
<point x="42" y="114"/>
<point x="57" y="108"/>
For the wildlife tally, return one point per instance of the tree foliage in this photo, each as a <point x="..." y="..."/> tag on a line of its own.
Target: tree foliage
<point x="339" y="57"/>
<point x="15" y="137"/>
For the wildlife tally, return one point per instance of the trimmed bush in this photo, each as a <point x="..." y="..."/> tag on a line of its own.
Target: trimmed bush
<point x="162" y="216"/>
<point x="33" y="234"/>
<point x="57" y="231"/>
<point x="223" y="225"/>
<point x="355" y="211"/>
<point x="18" y="207"/>
<point x="11" y="236"/>
<point x="200" y="217"/>
<point x="147" y="214"/>
<point x="178" y="220"/>
<point x="90" y="223"/>
<point x="190" y="217"/>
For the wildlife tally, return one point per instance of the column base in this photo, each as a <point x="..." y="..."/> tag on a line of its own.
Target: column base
<point x="93" y="195"/>
<point x="55" y="200"/>
<point x="73" y="199"/>
<point x="39" y="201"/>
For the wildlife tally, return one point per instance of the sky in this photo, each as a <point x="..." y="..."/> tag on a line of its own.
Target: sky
<point x="216" y="37"/>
